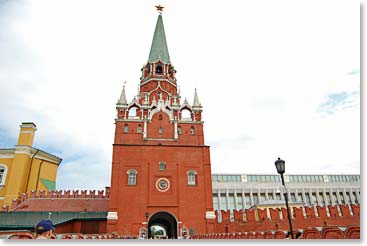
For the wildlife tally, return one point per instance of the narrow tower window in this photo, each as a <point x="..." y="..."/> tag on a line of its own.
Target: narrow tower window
<point x="160" y="130"/>
<point x="139" y="129"/>
<point x="192" y="130"/>
<point x="158" y="69"/>
<point x="126" y="128"/>
<point x="162" y="165"/>
<point x="131" y="177"/>
<point x="179" y="130"/>
<point x="191" y="177"/>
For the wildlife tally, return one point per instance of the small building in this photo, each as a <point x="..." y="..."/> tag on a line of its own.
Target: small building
<point x="26" y="168"/>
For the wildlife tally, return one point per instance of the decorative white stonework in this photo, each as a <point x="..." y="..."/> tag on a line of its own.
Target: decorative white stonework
<point x="162" y="184"/>
<point x="210" y="215"/>
<point x="112" y="216"/>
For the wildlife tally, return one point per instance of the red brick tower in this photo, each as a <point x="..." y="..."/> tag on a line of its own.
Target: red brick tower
<point x="161" y="172"/>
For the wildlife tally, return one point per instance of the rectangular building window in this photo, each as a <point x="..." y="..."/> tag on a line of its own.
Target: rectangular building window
<point x="335" y="198"/>
<point x="314" y="199"/>
<point x="255" y="197"/>
<point x="277" y="196"/>
<point x="262" y="197"/>
<point x="321" y="199"/>
<point x="270" y="196"/>
<point x="355" y="197"/>
<point x="223" y="201"/>
<point x="300" y="199"/>
<point x="215" y="202"/>
<point x="239" y="201"/>
<point x="341" y="197"/>
<point x="293" y="197"/>
<point x="308" y="199"/>
<point x="349" y="199"/>
<point x="328" y="198"/>
<point x="247" y="200"/>
<point x="231" y="201"/>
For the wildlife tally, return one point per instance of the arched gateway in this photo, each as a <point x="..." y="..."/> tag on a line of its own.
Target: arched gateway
<point x="161" y="173"/>
<point x="165" y="220"/>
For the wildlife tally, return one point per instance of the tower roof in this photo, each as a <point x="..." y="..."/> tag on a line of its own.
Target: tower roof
<point x="196" y="100"/>
<point x="159" y="49"/>
<point x="122" y="99"/>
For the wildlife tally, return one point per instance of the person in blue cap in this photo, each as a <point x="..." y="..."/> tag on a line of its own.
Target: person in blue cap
<point x="44" y="229"/>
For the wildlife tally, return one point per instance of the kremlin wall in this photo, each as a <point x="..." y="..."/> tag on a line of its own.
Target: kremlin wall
<point x="312" y="222"/>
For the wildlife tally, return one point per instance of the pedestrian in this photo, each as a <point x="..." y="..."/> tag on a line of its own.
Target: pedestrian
<point x="44" y="229"/>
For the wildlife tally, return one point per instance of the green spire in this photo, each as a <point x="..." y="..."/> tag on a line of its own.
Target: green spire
<point x="159" y="49"/>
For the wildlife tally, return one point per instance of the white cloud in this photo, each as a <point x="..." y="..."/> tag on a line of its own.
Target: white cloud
<point x="262" y="70"/>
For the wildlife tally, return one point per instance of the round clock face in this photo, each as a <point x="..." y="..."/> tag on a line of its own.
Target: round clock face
<point x="162" y="184"/>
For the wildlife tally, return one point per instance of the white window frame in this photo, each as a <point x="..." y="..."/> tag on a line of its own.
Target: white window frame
<point x="3" y="176"/>
<point x="131" y="177"/>
<point x="191" y="177"/>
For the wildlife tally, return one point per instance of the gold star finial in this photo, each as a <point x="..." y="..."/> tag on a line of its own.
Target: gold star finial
<point x="159" y="8"/>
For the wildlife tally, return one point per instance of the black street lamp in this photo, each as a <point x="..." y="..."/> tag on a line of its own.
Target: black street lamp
<point x="146" y="219"/>
<point x="280" y="165"/>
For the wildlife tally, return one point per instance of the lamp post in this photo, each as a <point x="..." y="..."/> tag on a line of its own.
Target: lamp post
<point x="146" y="219"/>
<point x="280" y="165"/>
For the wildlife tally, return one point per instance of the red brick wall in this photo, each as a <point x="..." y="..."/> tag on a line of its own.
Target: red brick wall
<point x="299" y="222"/>
<point x="187" y="204"/>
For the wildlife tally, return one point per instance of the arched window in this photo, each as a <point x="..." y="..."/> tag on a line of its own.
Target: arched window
<point x="179" y="130"/>
<point x="133" y="113"/>
<point x="160" y="130"/>
<point x="185" y="114"/>
<point x="131" y="177"/>
<point x="139" y="129"/>
<point x="3" y="172"/>
<point x="158" y="69"/>
<point x="191" y="177"/>
<point x="192" y="130"/>
<point x="126" y="128"/>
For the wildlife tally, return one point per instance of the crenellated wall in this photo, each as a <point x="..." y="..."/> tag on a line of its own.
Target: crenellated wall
<point x="326" y="232"/>
<point x="53" y="201"/>
<point x="277" y="219"/>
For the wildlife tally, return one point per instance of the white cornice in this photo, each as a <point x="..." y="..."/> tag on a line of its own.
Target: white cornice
<point x="42" y="155"/>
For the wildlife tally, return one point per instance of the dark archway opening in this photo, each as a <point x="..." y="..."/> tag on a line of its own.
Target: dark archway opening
<point x="164" y="221"/>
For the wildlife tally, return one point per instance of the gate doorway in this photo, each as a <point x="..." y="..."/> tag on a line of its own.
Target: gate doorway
<point x="162" y="225"/>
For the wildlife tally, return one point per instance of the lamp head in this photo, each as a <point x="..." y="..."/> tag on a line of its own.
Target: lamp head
<point x="280" y="165"/>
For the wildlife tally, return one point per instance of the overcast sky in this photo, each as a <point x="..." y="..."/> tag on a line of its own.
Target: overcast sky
<point x="275" y="78"/>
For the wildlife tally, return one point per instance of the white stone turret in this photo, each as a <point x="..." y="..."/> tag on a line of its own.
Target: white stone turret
<point x="196" y="102"/>
<point x="122" y="100"/>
